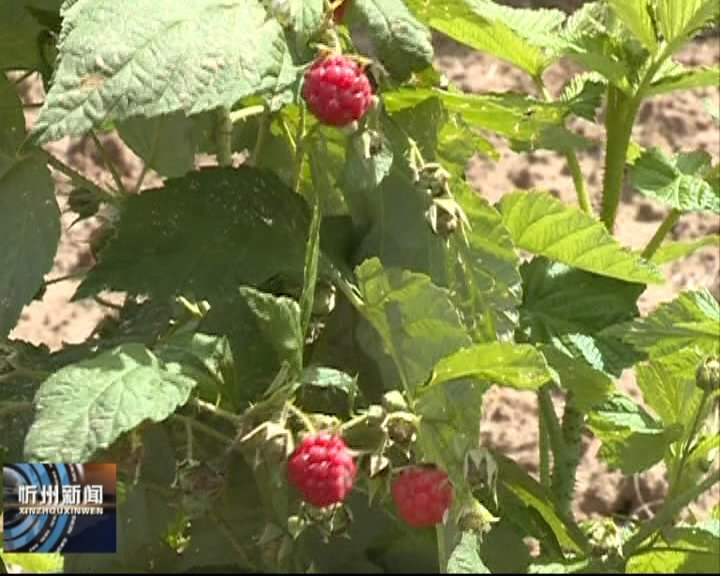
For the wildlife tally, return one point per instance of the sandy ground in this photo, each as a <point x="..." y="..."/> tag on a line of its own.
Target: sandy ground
<point x="510" y="422"/>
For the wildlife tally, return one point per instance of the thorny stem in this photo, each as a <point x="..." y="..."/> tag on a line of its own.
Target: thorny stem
<point x="109" y="164"/>
<point x="670" y="220"/>
<point x="544" y="453"/>
<point x="223" y="137"/>
<point x="565" y="469"/>
<point x="668" y="512"/>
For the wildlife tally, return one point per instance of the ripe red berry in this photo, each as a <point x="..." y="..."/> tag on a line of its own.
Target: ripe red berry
<point x="322" y="469"/>
<point x="422" y="496"/>
<point x="337" y="90"/>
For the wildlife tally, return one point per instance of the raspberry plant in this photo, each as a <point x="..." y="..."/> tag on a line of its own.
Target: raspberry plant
<point x="295" y="378"/>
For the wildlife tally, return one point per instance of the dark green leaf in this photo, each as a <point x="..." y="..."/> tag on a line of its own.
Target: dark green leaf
<point x="29" y="215"/>
<point x="403" y="44"/>
<point x="168" y="239"/>
<point x="166" y="143"/>
<point x="264" y="331"/>
<point x="312" y="255"/>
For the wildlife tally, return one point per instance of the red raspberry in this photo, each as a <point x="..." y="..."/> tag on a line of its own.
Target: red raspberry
<point x="337" y="90"/>
<point x="340" y="11"/>
<point x="322" y="469"/>
<point x="422" y="495"/>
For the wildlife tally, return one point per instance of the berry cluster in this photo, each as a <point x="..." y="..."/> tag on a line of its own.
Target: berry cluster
<point x="322" y="469"/>
<point x="422" y="496"/>
<point x="337" y="90"/>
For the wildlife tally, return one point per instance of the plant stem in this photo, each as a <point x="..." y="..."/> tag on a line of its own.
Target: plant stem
<point x="262" y="131"/>
<point x="442" y="553"/>
<point x="668" y="512"/>
<point x="216" y="411"/>
<point x="544" y="452"/>
<point x="78" y="178"/>
<point x="204" y="428"/>
<point x="570" y="156"/>
<point x="686" y="449"/>
<point x="299" y="150"/>
<point x="223" y="137"/>
<point x="580" y="190"/>
<point x="565" y="469"/>
<point x="667" y="225"/>
<point x="109" y="164"/>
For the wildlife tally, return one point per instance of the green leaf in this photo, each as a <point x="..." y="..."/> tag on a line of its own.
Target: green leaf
<point x="414" y="318"/>
<point x="32" y="563"/>
<point x="521" y="119"/>
<point x="166" y="143"/>
<point x="668" y="385"/>
<point x="684" y="79"/>
<point x="203" y="357"/>
<point x="19" y="38"/>
<point x="108" y="72"/>
<point x="86" y="406"/>
<point x="503" y="550"/>
<point x="691" y="320"/>
<point x="168" y="239"/>
<point x="584" y="94"/>
<point x="679" y="21"/>
<point x="488" y="288"/>
<point x="402" y="43"/>
<point x="323" y="377"/>
<point x="632" y="440"/>
<point x="29" y="215"/>
<point x="586" y="39"/>
<point x="499" y="363"/>
<point x="544" y="225"/>
<point x="511" y="34"/>
<point x="142" y="518"/>
<point x="450" y="413"/>
<point x="264" y="331"/>
<point x="569" y="308"/>
<point x="683" y="550"/>
<point x="518" y="490"/>
<point x="465" y="558"/>
<point x="635" y="14"/>
<point x="677" y="181"/>
<point x="589" y="387"/>
<point x="364" y="170"/>
<point x="672" y="251"/>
